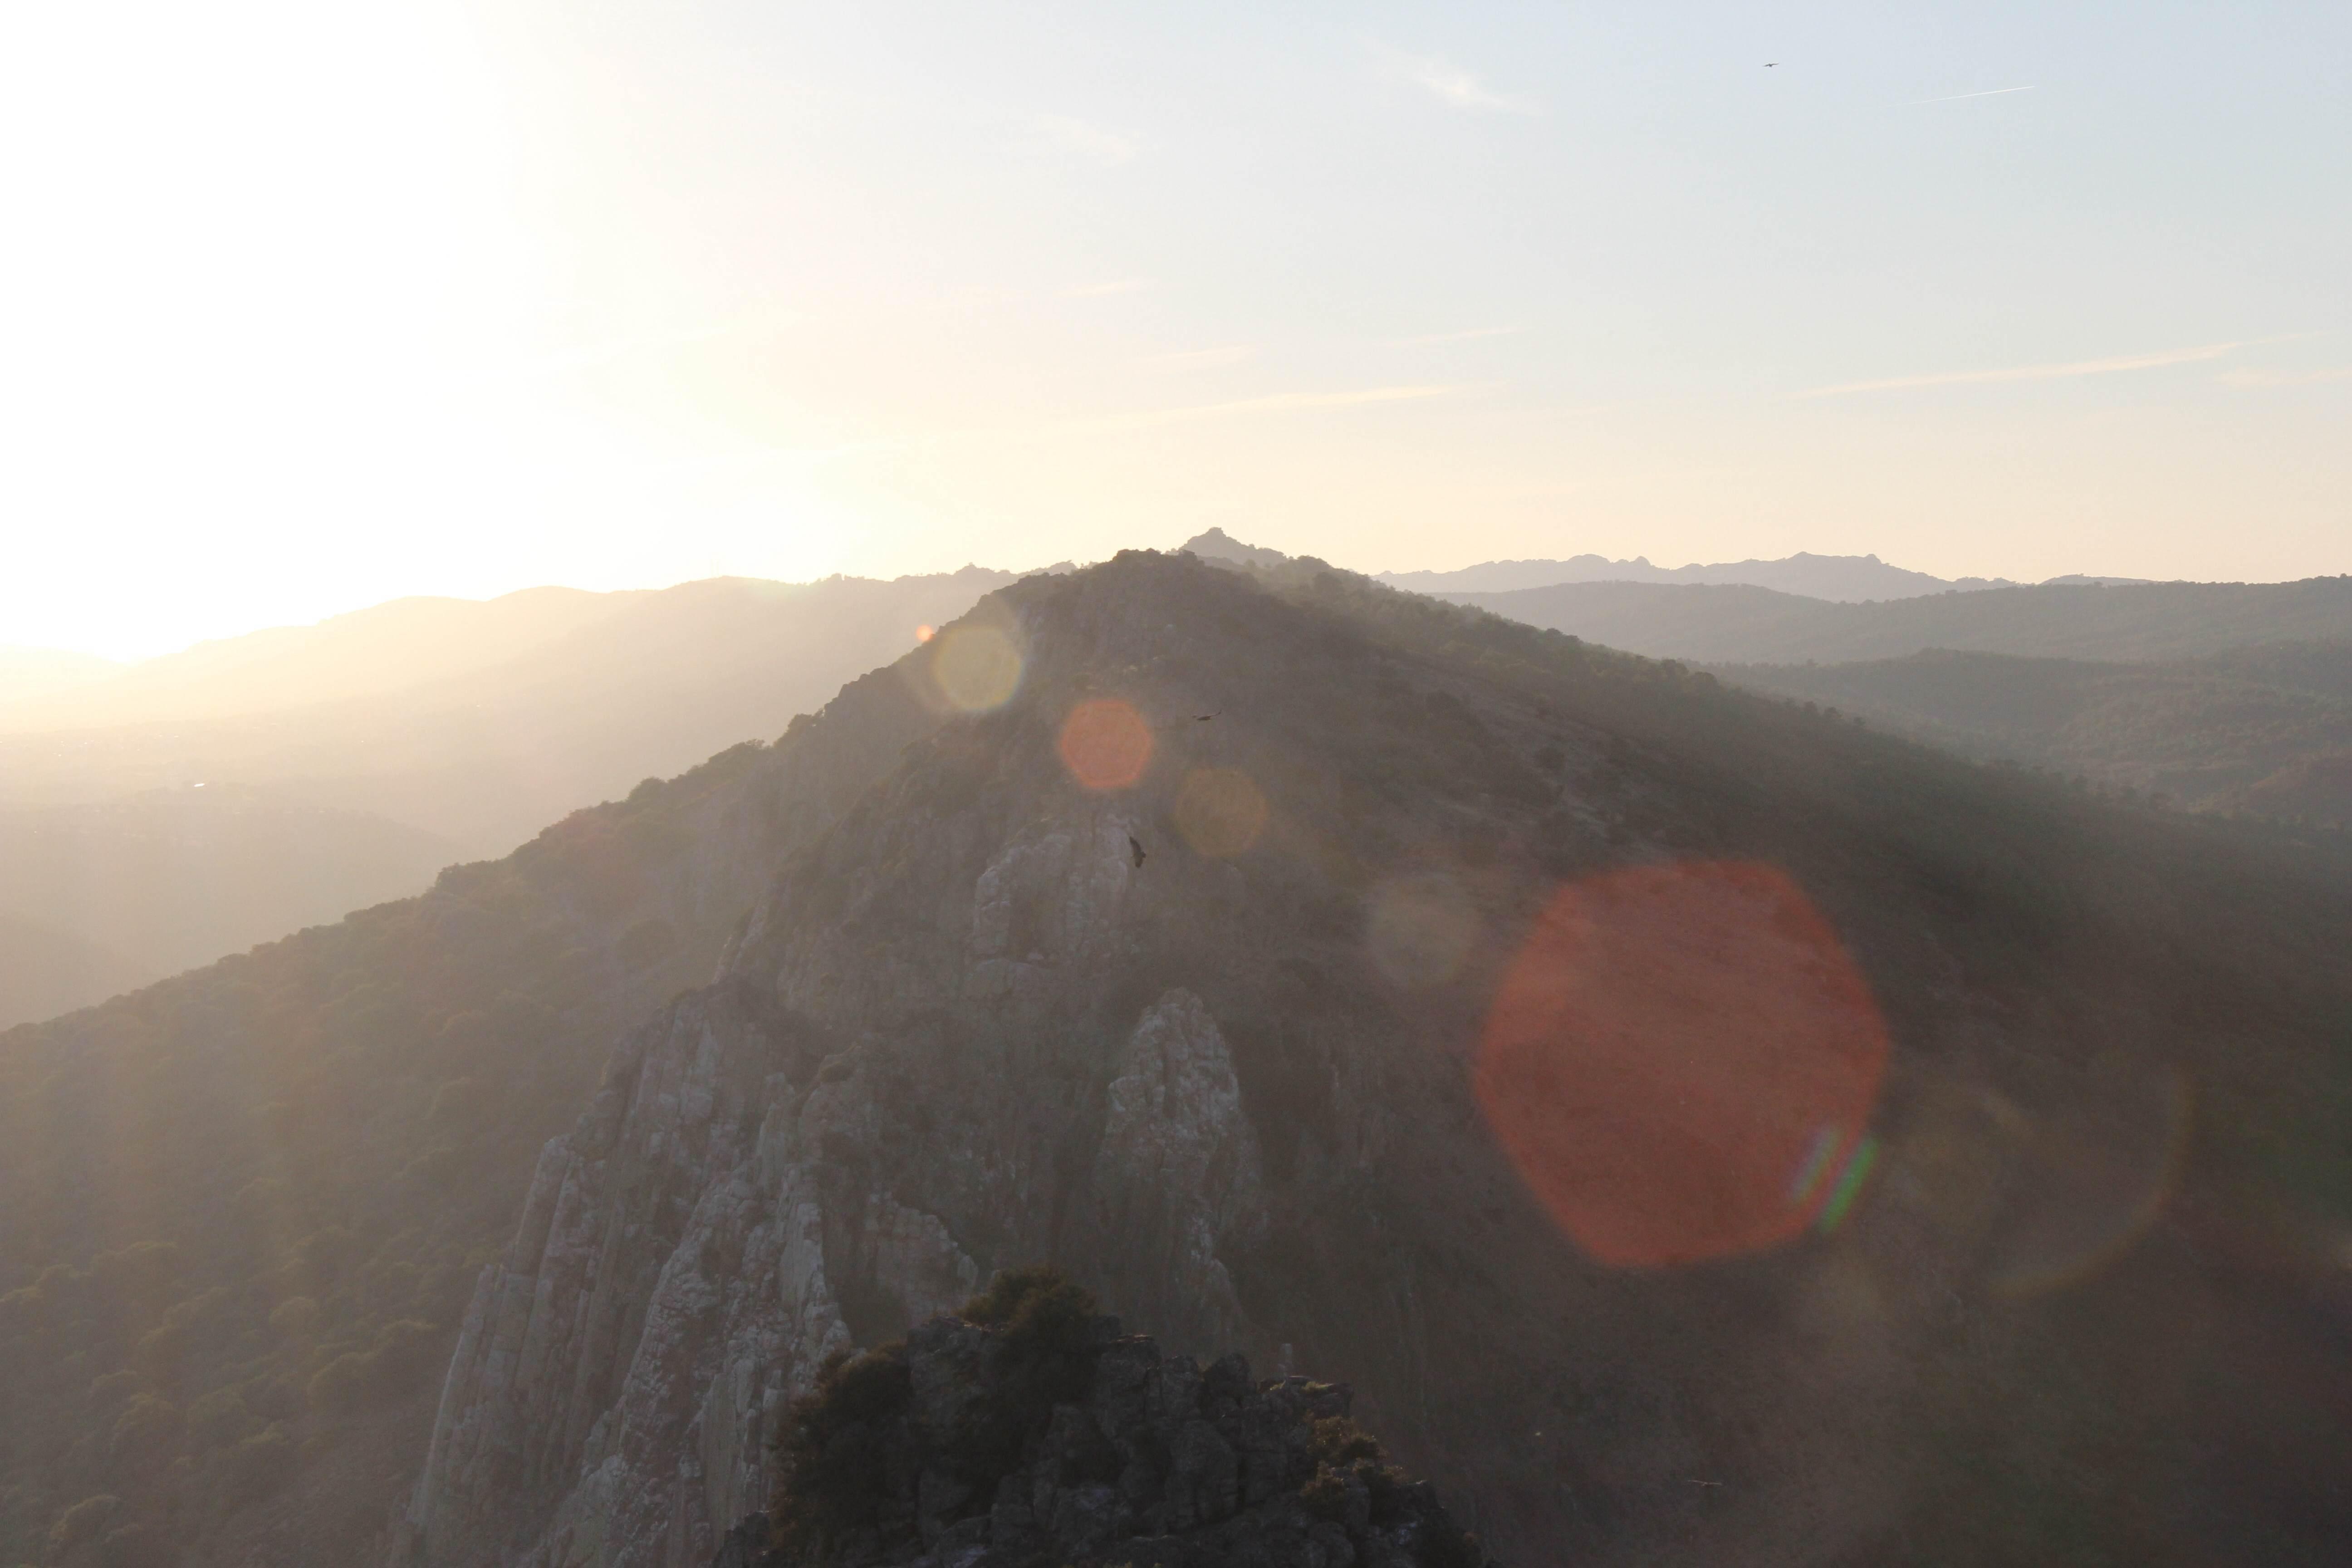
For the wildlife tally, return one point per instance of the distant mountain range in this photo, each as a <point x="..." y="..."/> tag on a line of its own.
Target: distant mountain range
<point x="343" y="763"/>
<point x="1745" y="625"/>
<point x="1840" y="579"/>
<point x="1846" y="579"/>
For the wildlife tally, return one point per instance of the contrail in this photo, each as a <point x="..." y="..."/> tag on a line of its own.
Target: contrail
<point x="1990" y="92"/>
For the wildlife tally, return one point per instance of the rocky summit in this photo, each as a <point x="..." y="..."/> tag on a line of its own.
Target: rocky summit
<point x="1022" y="1440"/>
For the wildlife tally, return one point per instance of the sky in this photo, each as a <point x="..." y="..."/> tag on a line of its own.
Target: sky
<point x="307" y="307"/>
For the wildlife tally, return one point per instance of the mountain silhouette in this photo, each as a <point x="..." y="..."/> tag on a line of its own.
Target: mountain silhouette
<point x="245" y="789"/>
<point x="1738" y="624"/>
<point x="1842" y="578"/>
<point x="1695" y="1127"/>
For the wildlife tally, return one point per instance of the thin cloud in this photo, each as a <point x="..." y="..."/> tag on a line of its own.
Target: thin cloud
<point x="2036" y="372"/>
<point x="1460" y="337"/>
<point x="1077" y="138"/>
<point x="1989" y="92"/>
<point x="1442" y="78"/>
<point x="1279" y="403"/>
<point x="1114" y="286"/>
<point x="1200" y="359"/>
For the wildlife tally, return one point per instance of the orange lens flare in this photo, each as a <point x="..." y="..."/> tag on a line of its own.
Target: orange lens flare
<point x="1680" y="1061"/>
<point x="1106" y="744"/>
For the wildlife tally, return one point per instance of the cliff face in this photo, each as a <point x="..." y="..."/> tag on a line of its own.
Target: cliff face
<point x="954" y="1035"/>
<point x="725" y="1213"/>
<point x="1190" y="1016"/>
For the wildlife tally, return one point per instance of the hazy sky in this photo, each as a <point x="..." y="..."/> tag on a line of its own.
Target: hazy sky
<point x="306" y="306"/>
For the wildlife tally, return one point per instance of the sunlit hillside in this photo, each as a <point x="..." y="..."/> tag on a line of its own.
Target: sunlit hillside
<point x="282" y="780"/>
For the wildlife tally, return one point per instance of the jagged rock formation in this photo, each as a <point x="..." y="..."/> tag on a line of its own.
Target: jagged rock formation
<point x="1195" y="1028"/>
<point x="941" y="1453"/>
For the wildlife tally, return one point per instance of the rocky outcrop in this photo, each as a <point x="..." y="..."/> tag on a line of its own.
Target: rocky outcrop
<point x="1153" y="1460"/>
<point x="713" y="1229"/>
<point x="968" y="1025"/>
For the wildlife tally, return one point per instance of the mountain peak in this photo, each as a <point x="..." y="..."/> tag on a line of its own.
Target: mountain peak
<point x="1216" y="545"/>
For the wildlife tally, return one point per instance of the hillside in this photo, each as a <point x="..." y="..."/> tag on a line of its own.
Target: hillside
<point x="45" y="971"/>
<point x="307" y="812"/>
<point x="647" y="686"/>
<point x="2111" y="622"/>
<point x="2259" y="729"/>
<point x="1882" y="1214"/>
<point x="381" y="649"/>
<point x="289" y="1166"/>
<point x="171" y="878"/>
<point x="1842" y="578"/>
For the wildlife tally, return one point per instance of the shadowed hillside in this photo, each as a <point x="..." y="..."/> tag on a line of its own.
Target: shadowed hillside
<point x="2266" y="729"/>
<point x="1757" y="626"/>
<point x="1210" y="933"/>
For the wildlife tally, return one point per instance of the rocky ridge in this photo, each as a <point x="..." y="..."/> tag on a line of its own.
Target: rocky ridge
<point x="939" y="1452"/>
<point x="984" y="1013"/>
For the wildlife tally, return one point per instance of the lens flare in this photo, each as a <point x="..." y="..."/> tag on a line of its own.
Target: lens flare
<point x="976" y="667"/>
<point x="1220" y="812"/>
<point x="1682" y="1062"/>
<point x="1106" y="744"/>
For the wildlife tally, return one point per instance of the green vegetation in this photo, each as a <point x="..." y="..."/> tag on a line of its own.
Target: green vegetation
<point x="833" y="1471"/>
<point x="832" y="1457"/>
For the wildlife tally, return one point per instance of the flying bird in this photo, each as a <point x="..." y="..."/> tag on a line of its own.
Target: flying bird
<point x="1770" y="64"/>
<point x="1135" y="849"/>
<point x="1204" y="718"/>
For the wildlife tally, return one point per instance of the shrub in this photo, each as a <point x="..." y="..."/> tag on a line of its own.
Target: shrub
<point x="295" y="1316"/>
<point x="82" y="1522"/>
<point x="1339" y="1441"/>
<point x="357" y="1379"/>
<point x="220" y="1418"/>
<point x="260" y="1465"/>
<point x="833" y="1452"/>
<point x="1043" y="1323"/>
<point x="146" y="1433"/>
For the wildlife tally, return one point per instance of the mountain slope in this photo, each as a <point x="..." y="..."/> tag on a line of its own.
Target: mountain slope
<point x="1226" y="1079"/>
<point x="307" y="813"/>
<point x="1757" y="626"/>
<point x="174" y="878"/>
<point x="288" y="1166"/>
<point x="45" y="971"/>
<point x="2212" y="732"/>
<point x="652" y="683"/>
<point x="1842" y="578"/>
<point x="1230" y="1015"/>
<point x="381" y="649"/>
